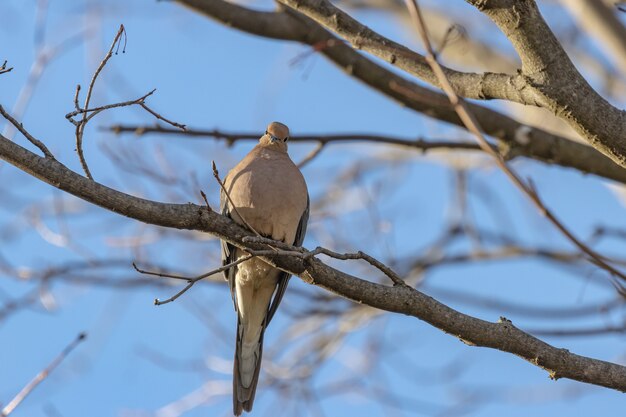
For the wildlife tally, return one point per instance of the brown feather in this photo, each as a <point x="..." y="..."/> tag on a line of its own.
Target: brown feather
<point x="269" y="192"/>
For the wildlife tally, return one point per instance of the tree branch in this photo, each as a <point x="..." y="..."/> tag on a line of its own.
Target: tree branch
<point x="4" y="69"/>
<point x="80" y="126"/>
<point x="231" y="137"/>
<point x="41" y="376"/>
<point x="518" y="138"/>
<point x="554" y="80"/>
<point x="502" y="335"/>
<point x="43" y="148"/>
<point x="471" y="85"/>
<point x="472" y="125"/>
<point x="548" y="78"/>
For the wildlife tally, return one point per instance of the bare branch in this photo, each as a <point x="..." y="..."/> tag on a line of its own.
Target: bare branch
<point x="80" y="127"/>
<point x="289" y="250"/>
<point x="94" y="111"/>
<point x="519" y="138"/>
<point x="88" y="113"/>
<point x="548" y="78"/>
<point x="192" y="281"/>
<point x="549" y="75"/>
<point x="161" y="274"/>
<point x="578" y="332"/>
<point x="158" y="116"/>
<point x="4" y="69"/>
<point x="472" y="125"/>
<point x="43" y="148"/>
<point x="395" y="278"/>
<point x="41" y="376"/>
<point x="312" y="155"/>
<point x="470" y="85"/>
<point x="206" y="202"/>
<point x="421" y="144"/>
<point x="398" y="299"/>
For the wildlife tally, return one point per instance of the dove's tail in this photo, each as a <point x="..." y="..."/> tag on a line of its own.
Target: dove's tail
<point x="246" y="369"/>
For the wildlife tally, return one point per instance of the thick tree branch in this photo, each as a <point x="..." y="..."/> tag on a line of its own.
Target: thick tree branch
<point x="275" y="25"/>
<point x="551" y="76"/>
<point x="521" y="139"/>
<point x="548" y="78"/>
<point x="470" y="85"/>
<point x="502" y="335"/>
<point x="472" y="125"/>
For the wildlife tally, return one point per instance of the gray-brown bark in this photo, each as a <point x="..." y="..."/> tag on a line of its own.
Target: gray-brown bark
<point x="403" y="299"/>
<point x="287" y="25"/>
<point x="551" y="77"/>
<point x="547" y="79"/>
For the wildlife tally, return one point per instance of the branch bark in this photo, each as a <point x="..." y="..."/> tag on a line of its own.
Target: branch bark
<point x="502" y="335"/>
<point x="548" y="78"/>
<point x="483" y="86"/>
<point x="519" y="139"/>
<point x="553" y="79"/>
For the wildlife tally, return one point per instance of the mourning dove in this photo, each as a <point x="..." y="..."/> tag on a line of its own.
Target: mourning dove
<point x="269" y="192"/>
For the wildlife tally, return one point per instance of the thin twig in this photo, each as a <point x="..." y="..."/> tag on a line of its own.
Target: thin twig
<point x="40" y="24"/>
<point x="76" y="105"/>
<point x="141" y="101"/>
<point x="216" y="174"/>
<point x="96" y="110"/>
<point x="80" y="128"/>
<point x="160" y="274"/>
<point x="4" y="69"/>
<point x="395" y="278"/>
<point x="453" y="33"/>
<point x="191" y="281"/>
<point x="232" y="137"/>
<point x="289" y="250"/>
<point x="208" y="206"/>
<point x="88" y="113"/>
<point x="121" y="31"/>
<point x="41" y="376"/>
<point x="472" y="125"/>
<point x="313" y="154"/>
<point x="27" y="135"/>
<point x="577" y="332"/>
<point x="158" y="116"/>
<point x="315" y="48"/>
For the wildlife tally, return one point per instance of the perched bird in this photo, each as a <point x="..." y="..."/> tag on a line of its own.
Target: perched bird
<point x="269" y="192"/>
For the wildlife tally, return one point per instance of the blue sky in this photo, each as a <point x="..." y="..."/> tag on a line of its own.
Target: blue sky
<point x="209" y="76"/>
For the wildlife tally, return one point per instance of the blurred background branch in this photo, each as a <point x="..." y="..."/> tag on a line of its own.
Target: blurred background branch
<point x="388" y="177"/>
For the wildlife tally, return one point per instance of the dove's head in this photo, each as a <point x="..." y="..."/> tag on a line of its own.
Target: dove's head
<point x="275" y="137"/>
